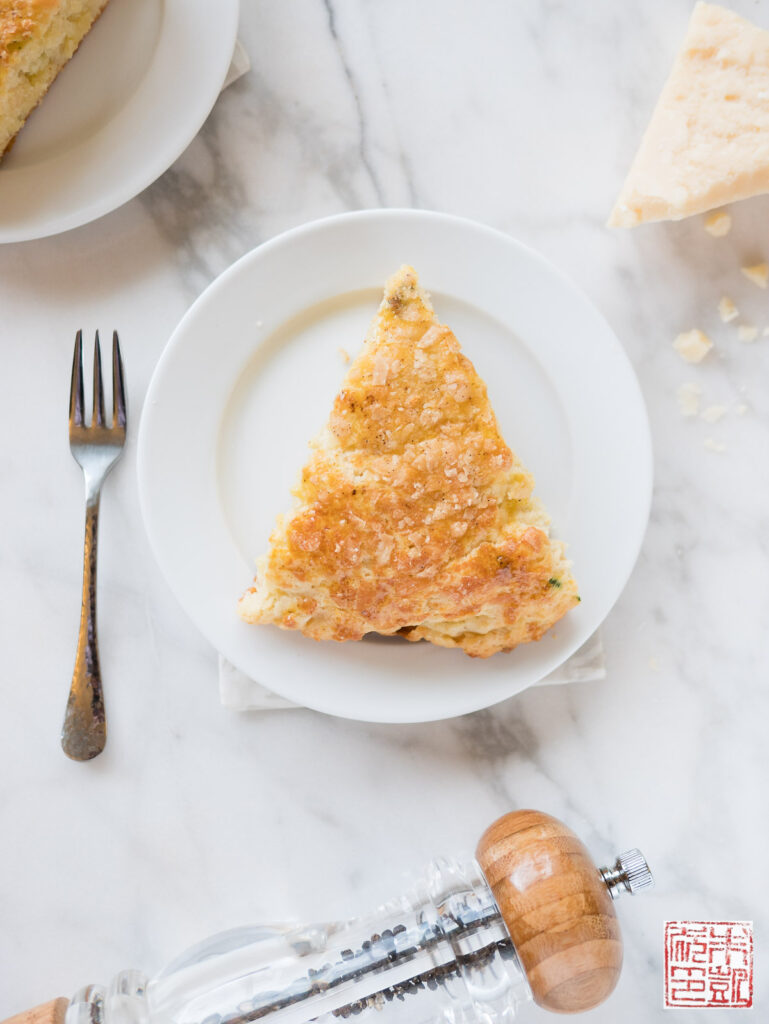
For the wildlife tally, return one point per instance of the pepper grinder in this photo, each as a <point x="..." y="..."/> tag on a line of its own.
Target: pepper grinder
<point x="531" y="917"/>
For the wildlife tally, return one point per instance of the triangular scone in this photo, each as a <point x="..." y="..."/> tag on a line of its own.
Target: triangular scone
<point x="707" y="143"/>
<point x="413" y="515"/>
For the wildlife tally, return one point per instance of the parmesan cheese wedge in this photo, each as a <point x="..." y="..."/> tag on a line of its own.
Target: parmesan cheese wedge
<point x="707" y="143"/>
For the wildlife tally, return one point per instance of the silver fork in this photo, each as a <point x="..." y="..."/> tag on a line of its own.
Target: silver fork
<point x="96" y="448"/>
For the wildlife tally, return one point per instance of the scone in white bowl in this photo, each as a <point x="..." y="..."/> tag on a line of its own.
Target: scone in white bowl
<point x="250" y="375"/>
<point x="125" y="107"/>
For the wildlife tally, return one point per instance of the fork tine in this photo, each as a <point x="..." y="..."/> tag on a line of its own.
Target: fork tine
<point x="118" y="386"/>
<point x="98" y="386"/>
<point x="76" y="387"/>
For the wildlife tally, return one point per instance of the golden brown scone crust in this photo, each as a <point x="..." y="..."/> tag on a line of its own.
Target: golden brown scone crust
<point x="414" y="516"/>
<point x="21" y="20"/>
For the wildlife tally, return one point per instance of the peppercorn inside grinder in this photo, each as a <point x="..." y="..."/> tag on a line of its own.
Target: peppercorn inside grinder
<point x="531" y="917"/>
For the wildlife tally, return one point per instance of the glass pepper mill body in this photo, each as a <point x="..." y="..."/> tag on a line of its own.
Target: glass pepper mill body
<point x="530" y="917"/>
<point x="443" y="948"/>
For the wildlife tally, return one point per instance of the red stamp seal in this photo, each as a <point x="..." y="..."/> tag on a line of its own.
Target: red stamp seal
<point x="708" y="963"/>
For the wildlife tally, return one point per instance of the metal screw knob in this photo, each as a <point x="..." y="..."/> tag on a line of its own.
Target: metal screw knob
<point x="629" y="873"/>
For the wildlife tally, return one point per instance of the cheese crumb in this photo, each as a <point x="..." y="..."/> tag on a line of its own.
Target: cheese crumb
<point x="713" y="413"/>
<point x="747" y="332"/>
<point x="688" y="396"/>
<point x="718" y="224"/>
<point x="693" y="345"/>
<point x="727" y="309"/>
<point x="714" y="446"/>
<point x="741" y="409"/>
<point x="346" y="358"/>
<point x="758" y="274"/>
<point x="654" y="665"/>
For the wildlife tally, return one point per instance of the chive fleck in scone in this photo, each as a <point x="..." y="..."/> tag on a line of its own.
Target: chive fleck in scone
<point x="37" y="38"/>
<point x="413" y="515"/>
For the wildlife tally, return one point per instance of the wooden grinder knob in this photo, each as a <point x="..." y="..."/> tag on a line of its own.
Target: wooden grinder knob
<point x="48" y="1013"/>
<point x="557" y="909"/>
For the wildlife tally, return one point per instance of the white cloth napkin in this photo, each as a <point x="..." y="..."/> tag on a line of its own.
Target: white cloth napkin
<point x="239" y="66"/>
<point x="240" y="693"/>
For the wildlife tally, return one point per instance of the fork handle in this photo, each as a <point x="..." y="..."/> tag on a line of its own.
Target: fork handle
<point x="84" y="733"/>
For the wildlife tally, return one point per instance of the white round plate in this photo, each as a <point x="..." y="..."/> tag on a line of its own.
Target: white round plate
<point x="250" y="375"/>
<point x="118" y="115"/>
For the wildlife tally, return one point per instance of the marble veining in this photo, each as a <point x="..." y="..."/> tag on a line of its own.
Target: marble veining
<point x="524" y="116"/>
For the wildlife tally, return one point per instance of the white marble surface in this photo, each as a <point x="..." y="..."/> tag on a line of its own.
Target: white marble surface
<point x="523" y="115"/>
